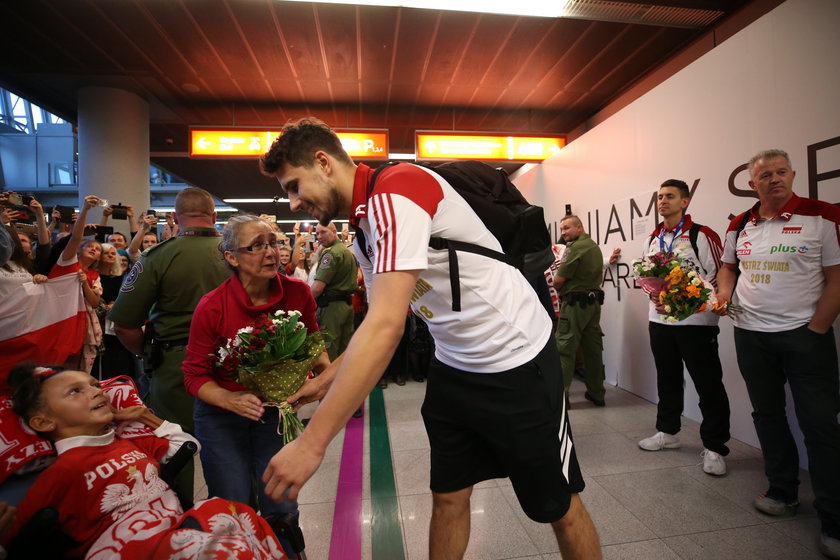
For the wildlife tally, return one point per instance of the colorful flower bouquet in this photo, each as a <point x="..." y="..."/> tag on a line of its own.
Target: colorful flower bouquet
<point x="273" y="357"/>
<point x="680" y="290"/>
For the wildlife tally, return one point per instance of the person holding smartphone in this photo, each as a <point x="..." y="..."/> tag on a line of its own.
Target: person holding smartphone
<point x="19" y="268"/>
<point x="35" y="238"/>
<point x="116" y="238"/>
<point x="79" y="257"/>
<point x="145" y="237"/>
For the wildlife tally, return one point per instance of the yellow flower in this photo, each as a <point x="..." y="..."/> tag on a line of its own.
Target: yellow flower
<point x="675" y="276"/>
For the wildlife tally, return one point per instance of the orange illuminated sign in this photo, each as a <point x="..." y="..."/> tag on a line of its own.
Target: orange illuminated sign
<point x="361" y="144"/>
<point x="432" y="145"/>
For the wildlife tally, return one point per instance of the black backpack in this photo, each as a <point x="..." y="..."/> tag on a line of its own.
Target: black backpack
<point x="519" y="226"/>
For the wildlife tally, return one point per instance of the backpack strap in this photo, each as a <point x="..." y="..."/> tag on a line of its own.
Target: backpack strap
<point x="738" y="231"/>
<point x="452" y="247"/>
<point x="442" y="243"/>
<point x="693" y="231"/>
<point x="360" y="234"/>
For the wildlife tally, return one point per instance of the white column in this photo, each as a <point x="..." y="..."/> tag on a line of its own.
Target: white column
<point x="114" y="150"/>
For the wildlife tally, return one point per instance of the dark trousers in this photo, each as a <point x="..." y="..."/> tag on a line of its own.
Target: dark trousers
<point x="170" y="401"/>
<point x="808" y="362"/>
<point x="581" y="326"/>
<point x="697" y="347"/>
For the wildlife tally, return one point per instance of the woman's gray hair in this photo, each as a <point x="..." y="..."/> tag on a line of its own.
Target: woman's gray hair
<point x="230" y="235"/>
<point x="116" y="267"/>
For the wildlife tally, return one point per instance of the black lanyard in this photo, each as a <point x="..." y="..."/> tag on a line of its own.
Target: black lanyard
<point x="677" y="232"/>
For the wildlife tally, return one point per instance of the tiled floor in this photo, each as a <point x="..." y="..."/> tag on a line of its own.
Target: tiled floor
<point x="645" y="505"/>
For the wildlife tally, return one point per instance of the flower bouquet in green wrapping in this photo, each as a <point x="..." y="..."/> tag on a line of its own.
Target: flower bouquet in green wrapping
<point x="273" y="357"/>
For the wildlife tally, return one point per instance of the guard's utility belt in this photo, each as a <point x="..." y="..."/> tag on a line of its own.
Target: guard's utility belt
<point x="168" y="344"/>
<point x="324" y="300"/>
<point x="153" y="350"/>
<point x="584" y="298"/>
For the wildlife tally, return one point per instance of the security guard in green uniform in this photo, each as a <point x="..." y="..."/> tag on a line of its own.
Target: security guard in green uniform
<point x="335" y="281"/>
<point x="165" y="286"/>
<point x="578" y="280"/>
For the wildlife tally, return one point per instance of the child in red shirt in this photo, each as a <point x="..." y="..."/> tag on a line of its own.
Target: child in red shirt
<point x="107" y="491"/>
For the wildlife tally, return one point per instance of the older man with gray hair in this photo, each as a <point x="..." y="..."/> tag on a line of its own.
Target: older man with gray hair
<point x="787" y="251"/>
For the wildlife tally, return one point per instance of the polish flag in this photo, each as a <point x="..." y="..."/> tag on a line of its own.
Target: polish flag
<point x="44" y="323"/>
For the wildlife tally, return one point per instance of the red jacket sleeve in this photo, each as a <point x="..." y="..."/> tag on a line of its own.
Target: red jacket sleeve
<point x="200" y="360"/>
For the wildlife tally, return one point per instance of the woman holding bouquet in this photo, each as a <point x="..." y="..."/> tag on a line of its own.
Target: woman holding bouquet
<point x="238" y="434"/>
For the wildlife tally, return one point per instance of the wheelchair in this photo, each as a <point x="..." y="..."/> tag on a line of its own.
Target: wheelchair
<point x="41" y="537"/>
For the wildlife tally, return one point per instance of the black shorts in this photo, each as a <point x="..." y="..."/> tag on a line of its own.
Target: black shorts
<point x="510" y="424"/>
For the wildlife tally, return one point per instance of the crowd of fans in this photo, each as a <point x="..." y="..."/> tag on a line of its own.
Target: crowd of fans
<point x="274" y="272"/>
<point x="36" y="250"/>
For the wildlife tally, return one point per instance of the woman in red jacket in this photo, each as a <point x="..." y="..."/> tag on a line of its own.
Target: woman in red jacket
<point x="238" y="435"/>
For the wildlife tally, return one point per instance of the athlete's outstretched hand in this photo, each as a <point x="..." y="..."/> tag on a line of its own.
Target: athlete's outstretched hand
<point x="312" y="390"/>
<point x="289" y="470"/>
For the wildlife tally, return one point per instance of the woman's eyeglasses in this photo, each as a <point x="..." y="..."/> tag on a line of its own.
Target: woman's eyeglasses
<point x="258" y="247"/>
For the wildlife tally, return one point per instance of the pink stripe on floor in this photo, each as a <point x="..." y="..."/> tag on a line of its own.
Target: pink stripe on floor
<point x="346" y="539"/>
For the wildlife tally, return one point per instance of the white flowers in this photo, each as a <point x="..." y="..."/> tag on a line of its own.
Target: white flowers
<point x="642" y="265"/>
<point x="290" y="314"/>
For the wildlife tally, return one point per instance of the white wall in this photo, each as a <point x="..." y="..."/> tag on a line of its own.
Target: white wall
<point x="775" y="84"/>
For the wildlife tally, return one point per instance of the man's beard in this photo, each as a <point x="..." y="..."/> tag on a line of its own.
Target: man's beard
<point x="332" y="207"/>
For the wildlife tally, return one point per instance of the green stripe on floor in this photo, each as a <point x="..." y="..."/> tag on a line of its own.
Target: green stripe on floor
<point x="385" y="526"/>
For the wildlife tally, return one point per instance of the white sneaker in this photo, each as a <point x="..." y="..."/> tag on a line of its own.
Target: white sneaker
<point x="659" y="441"/>
<point x="713" y="463"/>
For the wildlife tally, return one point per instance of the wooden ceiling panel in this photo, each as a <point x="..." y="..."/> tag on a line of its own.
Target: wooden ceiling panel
<point x="515" y="50"/>
<point x="119" y="54"/>
<point x="316" y="91"/>
<point x="223" y="52"/>
<point x="80" y="53"/>
<point x="300" y="31"/>
<point x="476" y="58"/>
<point x="612" y="58"/>
<point x="285" y="89"/>
<point x="451" y="39"/>
<point x="339" y="43"/>
<point x="637" y="60"/>
<point x="178" y="45"/>
<point x="540" y="70"/>
<point x="264" y="51"/>
<point x="586" y="47"/>
<point x="417" y="32"/>
<point x="376" y="53"/>
<point x="264" y="62"/>
<point x="459" y="95"/>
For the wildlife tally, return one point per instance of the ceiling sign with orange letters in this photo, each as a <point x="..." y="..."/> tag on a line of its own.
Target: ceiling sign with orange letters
<point x="243" y="143"/>
<point x="495" y="147"/>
